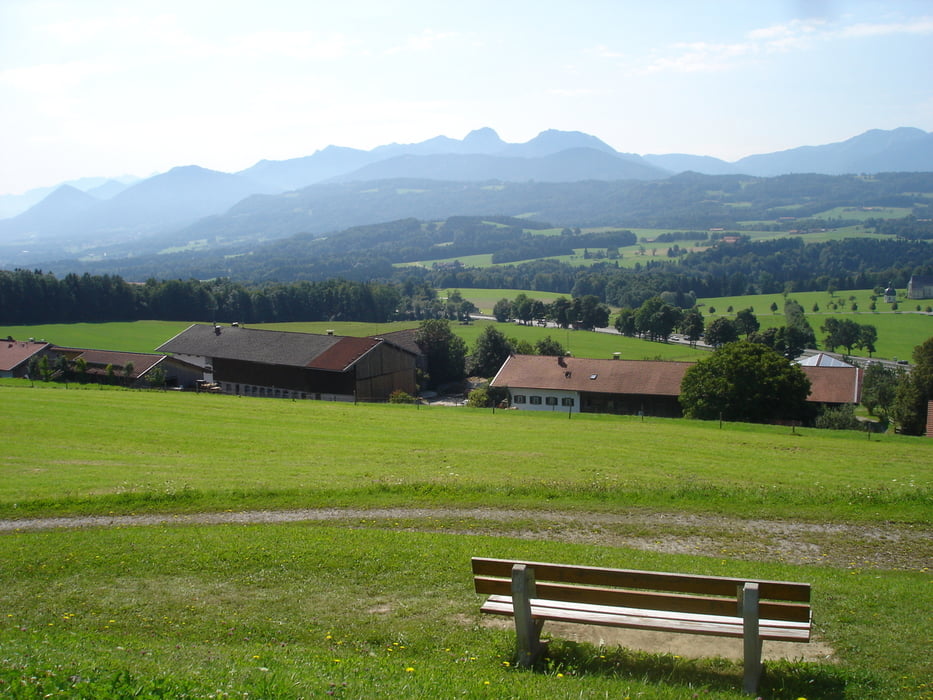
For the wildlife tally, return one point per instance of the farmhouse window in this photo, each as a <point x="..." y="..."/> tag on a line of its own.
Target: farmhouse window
<point x="551" y="400"/>
<point x="519" y="398"/>
<point x="567" y="401"/>
<point x="535" y="400"/>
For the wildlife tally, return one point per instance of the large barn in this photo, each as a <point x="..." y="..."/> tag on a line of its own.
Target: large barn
<point x="281" y="364"/>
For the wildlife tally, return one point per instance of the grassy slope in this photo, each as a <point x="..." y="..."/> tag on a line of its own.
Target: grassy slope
<point x="90" y="450"/>
<point x="372" y="610"/>
<point x="305" y="610"/>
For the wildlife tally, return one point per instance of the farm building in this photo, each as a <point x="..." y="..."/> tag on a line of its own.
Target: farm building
<point x="15" y="356"/>
<point x="576" y="385"/>
<point x="920" y="287"/>
<point x="110" y="367"/>
<point x="253" y="362"/>
<point x="648" y="387"/>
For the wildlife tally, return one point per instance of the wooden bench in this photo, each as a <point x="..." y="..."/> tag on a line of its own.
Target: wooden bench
<point x="533" y="592"/>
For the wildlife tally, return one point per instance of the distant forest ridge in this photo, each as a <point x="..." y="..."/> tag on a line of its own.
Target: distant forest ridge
<point x="305" y="234"/>
<point x="383" y="292"/>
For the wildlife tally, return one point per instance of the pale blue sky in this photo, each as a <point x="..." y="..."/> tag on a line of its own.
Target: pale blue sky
<point x="106" y="87"/>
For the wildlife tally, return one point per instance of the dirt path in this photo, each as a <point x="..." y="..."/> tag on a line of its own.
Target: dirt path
<point x="855" y="546"/>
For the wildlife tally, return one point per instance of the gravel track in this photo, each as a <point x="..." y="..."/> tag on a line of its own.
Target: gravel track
<point x="874" y="545"/>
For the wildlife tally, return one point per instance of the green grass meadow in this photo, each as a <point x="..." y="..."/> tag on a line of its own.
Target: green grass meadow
<point x="376" y="604"/>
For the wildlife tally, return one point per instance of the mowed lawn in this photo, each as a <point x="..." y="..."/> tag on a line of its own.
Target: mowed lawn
<point x="85" y="449"/>
<point x="377" y="607"/>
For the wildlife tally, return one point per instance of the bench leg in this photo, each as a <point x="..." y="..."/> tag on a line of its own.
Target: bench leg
<point x="751" y="638"/>
<point x="527" y="630"/>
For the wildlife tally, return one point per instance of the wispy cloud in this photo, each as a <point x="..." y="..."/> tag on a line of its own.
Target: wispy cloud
<point x="920" y="26"/>
<point x="798" y="35"/>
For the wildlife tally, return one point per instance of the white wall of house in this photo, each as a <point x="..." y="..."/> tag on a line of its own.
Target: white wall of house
<point x="544" y="400"/>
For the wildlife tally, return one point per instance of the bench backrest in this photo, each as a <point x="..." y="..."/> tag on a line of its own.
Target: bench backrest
<point x="688" y="593"/>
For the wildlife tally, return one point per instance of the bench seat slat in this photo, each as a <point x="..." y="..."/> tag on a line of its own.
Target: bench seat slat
<point x="714" y="625"/>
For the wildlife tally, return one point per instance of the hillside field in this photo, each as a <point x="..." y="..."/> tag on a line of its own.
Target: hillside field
<point x="363" y="590"/>
<point x="648" y="248"/>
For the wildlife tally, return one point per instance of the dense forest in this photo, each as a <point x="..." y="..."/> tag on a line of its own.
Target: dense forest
<point x="34" y="297"/>
<point x="386" y="292"/>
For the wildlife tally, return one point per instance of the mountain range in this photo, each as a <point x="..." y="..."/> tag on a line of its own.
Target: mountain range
<point x="272" y="199"/>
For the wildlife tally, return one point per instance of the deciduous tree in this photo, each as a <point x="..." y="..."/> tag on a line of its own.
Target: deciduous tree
<point x="691" y="325"/>
<point x="444" y="351"/>
<point x="745" y="381"/>
<point x="914" y="391"/>
<point x="746" y="322"/>
<point x="491" y="351"/>
<point x="720" y="331"/>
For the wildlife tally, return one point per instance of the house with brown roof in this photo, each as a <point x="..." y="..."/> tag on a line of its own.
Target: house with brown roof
<point x="282" y="364"/>
<point x="109" y="366"/>
<point x="15" y="356"/>
<point x="646" y="387"/>
<point x="574" y="385"/>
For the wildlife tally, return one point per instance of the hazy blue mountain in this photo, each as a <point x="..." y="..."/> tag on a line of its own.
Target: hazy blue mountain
<point x="902" y="149"/>
<point x="189" y="203"/>
<point x="681" y="162"/>
<point x="898" y="150"/>
<point x="483" y="140"/>
<point x="334" y="163"/>
<point x="57" y="209"/>
<point x="295" y="173"/>
<point x="553" y="141"/>
<point x="108" y="189"/>
<point x="14" y="204"/>
<point x="571" y="165"/>
<point x="71" y="220"/>
<point x="180" y="196"/>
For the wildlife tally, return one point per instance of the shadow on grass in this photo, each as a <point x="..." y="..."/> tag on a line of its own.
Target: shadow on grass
<point x="781" y="679"/>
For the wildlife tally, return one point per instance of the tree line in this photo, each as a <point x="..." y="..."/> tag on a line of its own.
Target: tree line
<point x="29" y="297"/>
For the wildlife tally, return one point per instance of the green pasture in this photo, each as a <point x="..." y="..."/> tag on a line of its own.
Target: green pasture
<point x="898" y="332"/>
<point x="130" y="336"/>
<point x="648" y="248"/>
<point x="485" y="299"/>
<point x="864" y="213"/>
<point x="375" y="605"/>
<point x="85" y="449"/>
